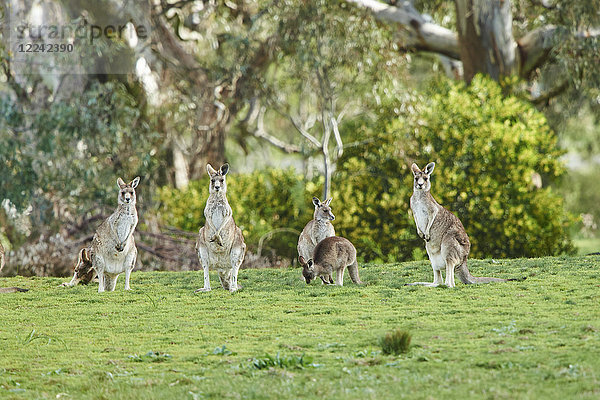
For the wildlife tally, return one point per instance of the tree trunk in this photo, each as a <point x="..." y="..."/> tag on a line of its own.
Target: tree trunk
<point x="485" y="38"/>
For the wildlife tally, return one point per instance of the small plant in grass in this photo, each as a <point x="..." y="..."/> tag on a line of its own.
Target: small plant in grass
<point x="268" y="361"/>
<point x="151" y="356"/>
<point x="395" y="342"/>
<point x="223" y="351"/>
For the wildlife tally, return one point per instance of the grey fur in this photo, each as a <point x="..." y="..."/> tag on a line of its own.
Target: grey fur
<point x="220" y="242"/>
<point x="317" y="229"/>
<point x="332" y="254"/>
<point x="446" y="240"/>
<point x="113" y="249"/>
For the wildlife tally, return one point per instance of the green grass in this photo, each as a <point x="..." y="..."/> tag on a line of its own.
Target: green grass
<point x="279" y="338"/>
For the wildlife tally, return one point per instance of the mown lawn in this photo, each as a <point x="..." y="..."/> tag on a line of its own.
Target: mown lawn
<point x="535" y="339"/>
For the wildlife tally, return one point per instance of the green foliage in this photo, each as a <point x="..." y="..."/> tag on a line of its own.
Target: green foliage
<point x="68" y="156"/>
<point x="513" y="340"/>
<point x="395" y="342"/>
<point x="487" y="150"/>
<point x="273" y="205"/>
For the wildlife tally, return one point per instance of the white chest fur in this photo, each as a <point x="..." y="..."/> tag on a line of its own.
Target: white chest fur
<point x="421" y="214"/>
<point x="124" y="225"/>
<point x="123" y="222"/>
<point x="217" y="211"/>
<point x="322" y="230"/>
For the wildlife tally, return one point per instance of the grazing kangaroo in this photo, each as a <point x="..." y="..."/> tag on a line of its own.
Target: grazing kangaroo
<point x="220" y="242"/>
<point x="316" y="230"/>
<point x="8" y="289"/>
<point x="333" y="253"/>
<point x="113" y="248"/>
<point x="445" y="237"/>
<point x="84" y="270"/>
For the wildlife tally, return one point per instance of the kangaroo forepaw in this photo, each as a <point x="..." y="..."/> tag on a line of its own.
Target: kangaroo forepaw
<point x="427" y="237"/>
<point x="217" y="238"/>
<point x="120" y="247"/>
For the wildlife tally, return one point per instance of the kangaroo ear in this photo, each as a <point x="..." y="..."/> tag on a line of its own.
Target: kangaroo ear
<point x="309" y="263"/>
<point x="302" y="260"/>
<point x="224" y="169"/>
<point x="429" y="168"/>
<point x="210" y="170"/>
<point x="415" y="168"/>
<point x="328" y="201"/>
<point x="85" y="255"/>
<point x="134" y="183"/>
<point x="316" y="201"/>
<point x="121" y="183"/>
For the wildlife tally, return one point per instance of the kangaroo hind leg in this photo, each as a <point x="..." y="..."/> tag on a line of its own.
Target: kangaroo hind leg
<point x="237" y="257"/>
<point x="353" y="271"/>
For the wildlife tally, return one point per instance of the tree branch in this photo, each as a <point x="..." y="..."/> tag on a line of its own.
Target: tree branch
<point x="422" y="35"/>
<point x="544" y="98"/>
<point x="260" y="132"/>
<point x="304" y="132"/>
<point x="536" y="46"/>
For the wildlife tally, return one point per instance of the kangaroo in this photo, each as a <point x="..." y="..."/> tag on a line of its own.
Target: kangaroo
<point x="331" y="254"/>
<point x="446" y="240"/>
<point x="113" y="248"/>
<point x="316" y="230"/>
<point x="12" y="290"/>
<point x="220" y="242"/>
<point x="84" y="270"/>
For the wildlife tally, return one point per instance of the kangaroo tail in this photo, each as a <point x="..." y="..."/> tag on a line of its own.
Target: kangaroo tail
<point x="466" y="277"/>
<point x="353" y="271"/>
<point x="12" y="290"/>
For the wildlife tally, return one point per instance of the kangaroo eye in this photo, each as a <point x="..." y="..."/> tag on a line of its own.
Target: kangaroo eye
<point x="212" y="180"/>
<point x="221" y="180"/>
<point x="123" y="193"/>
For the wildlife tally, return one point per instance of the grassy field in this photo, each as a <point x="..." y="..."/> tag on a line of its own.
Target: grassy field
<point x="535" y="339"/>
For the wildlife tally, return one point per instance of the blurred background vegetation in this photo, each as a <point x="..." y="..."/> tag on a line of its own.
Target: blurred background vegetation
<point x="333" y="98"/>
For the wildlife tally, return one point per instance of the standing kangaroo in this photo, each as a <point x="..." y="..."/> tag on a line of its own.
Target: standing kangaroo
<point x="220" y="242"/>
<point x="333" y="253"/>
<point x="316" y="230"/>
<point x="113" y="248"/>
<point x="445" y="237"/>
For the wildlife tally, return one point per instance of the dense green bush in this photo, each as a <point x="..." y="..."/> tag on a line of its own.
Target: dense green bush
<point x="272" y="204"/>
<point x="487" y="148"/>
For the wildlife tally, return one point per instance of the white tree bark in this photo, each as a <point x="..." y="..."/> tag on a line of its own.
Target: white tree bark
<point x="420" y="34"/>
